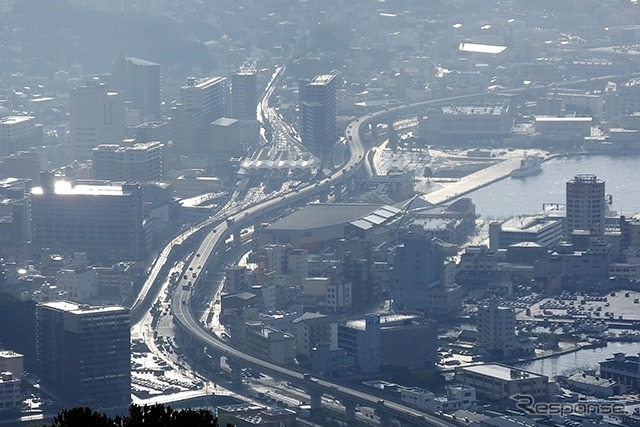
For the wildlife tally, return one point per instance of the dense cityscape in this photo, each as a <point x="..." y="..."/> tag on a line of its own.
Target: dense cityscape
<point x="266" y="209"/>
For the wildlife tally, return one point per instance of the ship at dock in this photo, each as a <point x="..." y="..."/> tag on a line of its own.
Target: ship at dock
<point x="529" y="165"/>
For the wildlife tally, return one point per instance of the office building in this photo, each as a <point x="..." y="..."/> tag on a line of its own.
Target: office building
<point x="244" y="95"/>
<point x="496" y="330"/>
<point x="84" y="353"/>
<point x="96" y="117"/>
<point x="455" y="123"/>
<point x="497" y="382"/>
<point x="18" y="133"/>
<point x="542" y="229"/>
<point x="140" y="80"/>
<point x="586" y="205"/>
<point x="318" y="127"/>
<point x="23" y="164"/>
<point x="207" y="95"/>
<point x="203" y="101"/>
<point x="416" y="270"/>
<point x="395" y="340"/>
<point x="223" y="136"/>
<point x="267" y="343"/>
<point x="563" y="128"/>
<point x="140" y="162"/>
<point x="105" y="221"/>
<point x="15" y="218"/>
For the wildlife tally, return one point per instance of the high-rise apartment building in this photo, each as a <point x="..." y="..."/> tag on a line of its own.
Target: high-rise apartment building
<point x="84" y="353"/>
<point x="244" y="95"/>
<point x="586" y="204"/>
<point x="18" y="133"/>
<point x="97" y="117"/>
<point x="416" y="270"/>
<point x="318" y="127"/>
<point x="105" y="221"/>
<point x="496" y="330"/>
<point x="140" y="80"/>
<point x="141" y="162"/>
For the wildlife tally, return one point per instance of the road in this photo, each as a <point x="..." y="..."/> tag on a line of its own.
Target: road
<point x="215" y="241"/>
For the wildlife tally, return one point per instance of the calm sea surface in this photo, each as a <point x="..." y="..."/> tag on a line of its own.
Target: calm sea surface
<point x="510" y="197"/>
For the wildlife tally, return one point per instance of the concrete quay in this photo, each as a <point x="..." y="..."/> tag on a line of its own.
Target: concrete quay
<point x="452" y="190"/>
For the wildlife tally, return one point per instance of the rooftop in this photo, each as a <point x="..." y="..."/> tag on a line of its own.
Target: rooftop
<point x="322" y="79"/>
<point x="138" y="61"/>
<point x="502" y="372"/>
<point x="481" y="48"/>
<point x="323" y="215"/>
<point x="72" y="307"/>
<point x="67" y="188"/>
<point x="563" y="119"/>
<point x="225" y="121"/>
<point x="10" y="120"/>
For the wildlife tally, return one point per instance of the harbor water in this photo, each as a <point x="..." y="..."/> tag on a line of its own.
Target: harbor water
<point x="515" y="196"/>
<point x="570" y="363"/>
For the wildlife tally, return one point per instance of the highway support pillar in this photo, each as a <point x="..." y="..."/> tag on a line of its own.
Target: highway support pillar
<point x="350" y="185"/>
<point x="337" y="191"/>
<point x="316" y="404"/>
<point x="385" y="417"/>
<point x="350" y="411"/>
<point x="236" y="372"/>
<point x="213" y="360"/>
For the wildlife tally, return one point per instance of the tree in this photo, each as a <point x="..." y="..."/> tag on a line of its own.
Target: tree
<point x="81" y="417"/>
<point x="138" y="416"/>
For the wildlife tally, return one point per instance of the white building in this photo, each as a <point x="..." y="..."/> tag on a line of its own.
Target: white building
<point x="17" y="133"/>
<point x="498" y="382"/>
<point x="270" y="344"/>
<point x="497" y="330"/>
<point x="10" y="397"/>
<point x="595" y="386"/>
<point x="13" y="362"/>
<point x="81" y="282"/>
<point x="563" y="128"/>
<point x="458" y="397"/>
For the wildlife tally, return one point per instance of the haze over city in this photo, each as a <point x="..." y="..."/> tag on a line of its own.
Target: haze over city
<point x="321" y="213"/>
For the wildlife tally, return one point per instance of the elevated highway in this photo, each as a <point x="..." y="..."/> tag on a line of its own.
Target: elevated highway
<point x="214" y="242"/>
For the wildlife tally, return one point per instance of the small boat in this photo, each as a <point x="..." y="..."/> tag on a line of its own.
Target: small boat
<point x="529" y="165"/>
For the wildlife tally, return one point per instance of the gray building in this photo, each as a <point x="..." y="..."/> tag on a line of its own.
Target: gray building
<point x="318" y="126"/>
<point x="97" y="116"/>
<point x="105" y="221"/>
<point x="84" y="353"/>
<point x="244" y="95"/>
<point x="586" y="205"/>
<point x="417" y="268"/>
<point x="140" y="80"/>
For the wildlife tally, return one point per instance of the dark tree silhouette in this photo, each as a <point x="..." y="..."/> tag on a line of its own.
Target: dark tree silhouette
<point x="81" y="417"/>
<point x="139" y="416"/>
